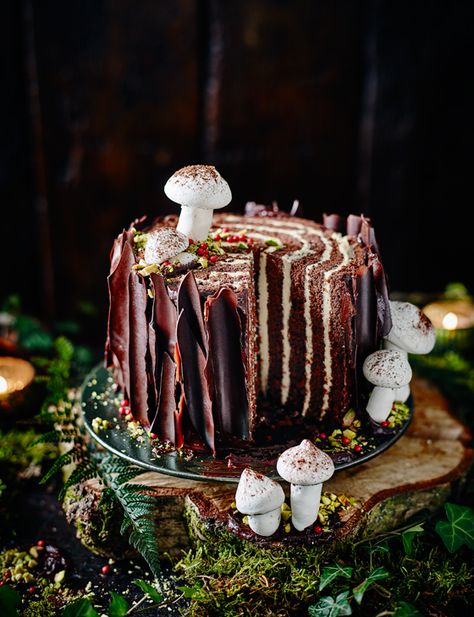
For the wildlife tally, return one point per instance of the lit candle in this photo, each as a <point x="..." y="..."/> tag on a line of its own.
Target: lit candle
<point x="15" y="376"/>
<point x="454" y="323"/>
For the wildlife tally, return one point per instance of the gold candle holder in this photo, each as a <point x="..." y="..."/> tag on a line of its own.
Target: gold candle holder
<point x="454" y="323"/>
<point x="16" y="375"/>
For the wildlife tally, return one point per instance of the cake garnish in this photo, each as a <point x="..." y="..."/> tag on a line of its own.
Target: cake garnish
<point x="199" y="189"/>
<point x="164" y="244"/>
<point x="306" y="467"/>
<point x="388" y="370"/>
<point x="261" y="499"/>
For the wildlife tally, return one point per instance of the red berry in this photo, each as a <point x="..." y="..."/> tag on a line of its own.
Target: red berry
<point x="204" y="245"/>
<point x="7" y="574"/>
<point x="346" y="441"/>
<point x="190" y="241"/>
<point x="322" y="435"/>
<point x="217" y="237"/>
<point x="242" y="238"/>
<point x="213" y="259"/>
<point x="153" y="435"/>
<point x="384" y="423"/>
<point x="318" y="529"/>
<point x="357" y="448"/>
<point x="166" y="263"/>
<point x="32" y="589"/>
<point x="125" y="403"/>
<point x="250" y="240"/>
<point x="105" y="569"/>
<point x="40" y="543"/>
<point x="225" y="230"/>
<point x="2" y="583"/>
<point x="201" y="251"/>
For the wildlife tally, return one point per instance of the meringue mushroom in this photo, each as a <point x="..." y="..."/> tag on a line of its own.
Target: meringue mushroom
<point x="388" y="370"/>
<point x="306" y="467"/>
<point x="412" y="331"/>
<point x="261" y="499"/>
<point x="164" y="244"/>
<point x="199" y="189"/>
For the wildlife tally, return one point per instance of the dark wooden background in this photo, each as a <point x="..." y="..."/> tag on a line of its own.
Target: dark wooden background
<point x="362" y="106"/>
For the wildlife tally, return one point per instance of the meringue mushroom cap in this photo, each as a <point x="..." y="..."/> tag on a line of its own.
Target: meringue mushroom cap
<point x="387" y="368"/>
<point x="198" y="186"/>
<point x="411" y="330"/>
<point x="257" y="494"/>
<point x="164" y="243"/>
<point x="305" y="464"/>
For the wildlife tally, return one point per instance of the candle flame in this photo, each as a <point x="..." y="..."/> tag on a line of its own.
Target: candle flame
<point x="450" y="321"/>
<point x="3" y="385"/>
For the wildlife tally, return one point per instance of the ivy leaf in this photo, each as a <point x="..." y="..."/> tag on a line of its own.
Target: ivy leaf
<point x="458" y="529"/>
<point x="404" y="609"/>
<point x="332" y="572"/>
<point x="148" y="589"/>
<point x="10" y="601"/>
<point x="330" y="607"/>
<point x="408" y="536"/>
<point x="118" y="606"/>
<point x="80" y="608"/>
<point x="376" y="575"/>
<point x="189" y="592"/>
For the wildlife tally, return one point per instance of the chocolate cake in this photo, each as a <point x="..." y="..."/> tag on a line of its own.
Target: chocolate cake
<point x="265" y="316"/>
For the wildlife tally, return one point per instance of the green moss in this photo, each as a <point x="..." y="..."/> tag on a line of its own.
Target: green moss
<point x="240" y="578"/>
<point x="18" y="448"/>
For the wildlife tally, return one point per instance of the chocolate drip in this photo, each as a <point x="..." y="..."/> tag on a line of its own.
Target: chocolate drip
<point x="164" y="421"/>
<point x="353" y="225"/>
<point x="118" y="344"/>
<point x="226" y="363"/>
<point x="334" y="222"/>
<point x="138" y="349"/>
<point x="189" y="301"/>
<point x="194" y="379"/>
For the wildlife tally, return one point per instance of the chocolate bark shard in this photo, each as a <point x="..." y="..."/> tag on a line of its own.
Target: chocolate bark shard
<point x="225" y="363"/>
<point x="189" y="301"/>
<point x="164" y="422"/>
<point x="384" y="319"/>
<point x="138" y="349"/>
<point x="195" y="384"/>
<point x="119" y="317"/>
<point x="164" y="315"/>
<point x="353" y="225"/>
<point x="335" y="222"/>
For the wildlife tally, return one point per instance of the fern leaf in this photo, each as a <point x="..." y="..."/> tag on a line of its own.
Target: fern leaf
<point x="146" y="545"/>
<point x="85" y="470"/>
<point x="65" y="459"/>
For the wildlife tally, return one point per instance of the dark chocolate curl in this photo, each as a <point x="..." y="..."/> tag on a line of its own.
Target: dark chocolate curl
<point x="138" y="349"/>
<point x="164" y="421"/>
<point x="194" y="378"/>
<point x="189" y="301"/>
<point x="367" y="234"/>
<point x="165" y="315"/>
<point x="118" y="343"/>
<point x="225" y="363"/>
<point x="334" y="222"/>
<point x="353" y="225"/>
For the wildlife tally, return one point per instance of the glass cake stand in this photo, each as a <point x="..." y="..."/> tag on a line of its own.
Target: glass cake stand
<point x="98" y="397"/>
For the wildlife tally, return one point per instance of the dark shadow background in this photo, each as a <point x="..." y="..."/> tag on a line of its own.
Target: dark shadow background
<point x="348" y="106"/>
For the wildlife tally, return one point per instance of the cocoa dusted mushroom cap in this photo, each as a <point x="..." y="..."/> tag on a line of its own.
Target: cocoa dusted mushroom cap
<point x="257" y="494"/>
<point x="199" y="189"/>
<point x="412" y="331"/>
<point x="305" y="464"/>
<point x="164" y="244"/>
<point x="387" y="368"/>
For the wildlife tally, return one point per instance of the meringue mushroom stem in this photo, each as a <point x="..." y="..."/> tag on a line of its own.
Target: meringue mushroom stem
<point x="305" y="502"/>
<point x="380" y="403"/>
<point x="195" y="222"/>
<point x="402" y="394"/>
<point x="389" y="345"/>
<point x="265" y="524"/>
